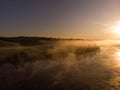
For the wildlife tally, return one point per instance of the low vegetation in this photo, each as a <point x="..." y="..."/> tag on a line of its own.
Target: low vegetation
<point x="49" y="50"/>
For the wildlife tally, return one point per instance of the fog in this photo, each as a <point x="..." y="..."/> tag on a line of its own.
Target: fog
<point x="67" y="70"/>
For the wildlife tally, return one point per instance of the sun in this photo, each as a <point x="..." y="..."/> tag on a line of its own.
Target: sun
<point x="116" y="28"/>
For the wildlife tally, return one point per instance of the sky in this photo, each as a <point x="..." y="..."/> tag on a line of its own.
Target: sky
<point x="59" y="18"/>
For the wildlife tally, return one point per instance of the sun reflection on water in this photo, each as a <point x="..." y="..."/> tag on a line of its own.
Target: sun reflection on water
<point x="117" y="53"/>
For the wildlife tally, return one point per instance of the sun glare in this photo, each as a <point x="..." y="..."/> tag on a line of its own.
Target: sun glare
<point x="116" y="28"/>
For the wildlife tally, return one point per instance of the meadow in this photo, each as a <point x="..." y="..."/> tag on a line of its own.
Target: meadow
<point x="60" y="65"/>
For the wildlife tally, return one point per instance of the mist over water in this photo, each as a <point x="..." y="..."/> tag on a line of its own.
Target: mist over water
<point x="99" y="70"/>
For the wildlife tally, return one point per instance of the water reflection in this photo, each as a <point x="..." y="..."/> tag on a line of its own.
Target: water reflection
<point x="117" y="57"/>
<point x="118" y="54"/>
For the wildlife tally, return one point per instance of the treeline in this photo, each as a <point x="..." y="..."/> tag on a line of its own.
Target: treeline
<point x="28" y="41"/>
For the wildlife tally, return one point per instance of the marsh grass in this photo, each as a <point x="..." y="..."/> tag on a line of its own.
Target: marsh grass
<point x="63" y="49"/>
<point x="23" y="54"/>
<point x="20" y="54"/>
